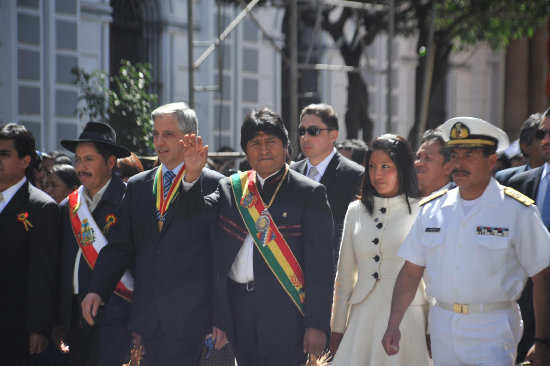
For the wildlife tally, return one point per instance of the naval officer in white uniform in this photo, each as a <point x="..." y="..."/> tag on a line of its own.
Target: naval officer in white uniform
<point x="478" y="244"/>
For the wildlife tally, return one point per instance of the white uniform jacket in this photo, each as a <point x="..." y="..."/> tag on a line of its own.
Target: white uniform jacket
<point x="482" y="256"/>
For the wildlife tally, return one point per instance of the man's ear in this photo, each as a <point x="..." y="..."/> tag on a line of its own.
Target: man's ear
<point x="25" y="161"/>
<point x="492" y="161"/>
<point x="334" y="136"/>
<point x="111" y="162"/>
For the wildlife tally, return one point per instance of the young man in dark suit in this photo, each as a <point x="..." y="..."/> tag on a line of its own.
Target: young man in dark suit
<point x="535" y="184"/>
<point x="173" y="295"/>
<point x="341" y="177"/>
<point x="272" y="249"/>
<point x="29" y="264"/>
<point x="88" y="217"/>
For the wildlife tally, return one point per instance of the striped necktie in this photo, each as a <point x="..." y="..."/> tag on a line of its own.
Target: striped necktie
<point x="168" y="178"/>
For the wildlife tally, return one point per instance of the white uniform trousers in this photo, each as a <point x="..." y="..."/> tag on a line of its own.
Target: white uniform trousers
<point x="483" y="339"/>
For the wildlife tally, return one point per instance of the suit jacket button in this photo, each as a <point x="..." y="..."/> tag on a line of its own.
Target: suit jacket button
<point x="376" y="258"/>
<point x="375" y="275"/>
<point x="379" y="225"/>
<point x="375" y="241"/>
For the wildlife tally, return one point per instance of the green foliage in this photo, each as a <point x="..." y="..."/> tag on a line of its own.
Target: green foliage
<point x="498" y="22"/>
<point x="122" y="100"/>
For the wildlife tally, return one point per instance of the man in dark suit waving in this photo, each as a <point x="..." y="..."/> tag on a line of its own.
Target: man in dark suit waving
<point x="29" y="242"/>
<point x="172" y="299"/>
<point x="342" y="177"/>
<point x="273" y="262"/>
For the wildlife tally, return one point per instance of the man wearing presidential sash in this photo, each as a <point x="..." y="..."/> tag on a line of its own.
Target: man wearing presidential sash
<point x="273" y="258"/>
<point x="172" y="302"/>
<point x="29" y="243"/>
<point x="89" y="216"/>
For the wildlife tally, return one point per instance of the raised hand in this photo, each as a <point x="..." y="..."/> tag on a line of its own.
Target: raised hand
<point x="195" y="155"/>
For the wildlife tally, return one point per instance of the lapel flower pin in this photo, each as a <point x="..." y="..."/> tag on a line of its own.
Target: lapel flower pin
<point x="110" y="220"/>
<point x="24" y="218"/>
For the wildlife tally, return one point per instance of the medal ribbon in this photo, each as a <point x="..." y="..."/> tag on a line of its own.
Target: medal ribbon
<point x="158" y="190"/>
<point x="270" y="243"/>
<point x="90" y="252"/>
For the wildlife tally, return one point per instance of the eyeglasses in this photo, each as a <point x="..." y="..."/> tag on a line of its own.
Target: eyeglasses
<point x="541" y="133"/>
<point x="312" y="130"/>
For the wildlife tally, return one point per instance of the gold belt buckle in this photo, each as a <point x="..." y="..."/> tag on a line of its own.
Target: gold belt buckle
<point x="460" y="308"/>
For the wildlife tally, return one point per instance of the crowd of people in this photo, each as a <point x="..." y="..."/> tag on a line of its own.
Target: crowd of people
<point x="373" y="255"/>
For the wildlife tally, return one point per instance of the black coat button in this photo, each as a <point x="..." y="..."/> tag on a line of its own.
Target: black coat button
<point x="375" y="241"/>
<point x="383" y="210"/>
<point x="379" y="225"/>
<point x="376" y="258"/>
<point x="375" y="275"/>
<point x="376" y="219"/>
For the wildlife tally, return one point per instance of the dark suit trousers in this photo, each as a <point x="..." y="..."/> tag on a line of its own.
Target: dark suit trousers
<point x="14" y="344"/>
<point x="161" y="350"/>
<point x="245" y="343"/>
<point x="108" y="342"/>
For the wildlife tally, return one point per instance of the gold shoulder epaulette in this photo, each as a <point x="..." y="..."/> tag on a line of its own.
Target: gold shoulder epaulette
<point x="518" y="196"/>
<point x="432" y="197"/>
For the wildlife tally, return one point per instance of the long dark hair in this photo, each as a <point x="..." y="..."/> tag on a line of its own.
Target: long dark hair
<point x="399" y="151"/>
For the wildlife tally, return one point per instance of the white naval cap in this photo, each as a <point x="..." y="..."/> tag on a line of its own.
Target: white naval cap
<point x="469" y="132"/>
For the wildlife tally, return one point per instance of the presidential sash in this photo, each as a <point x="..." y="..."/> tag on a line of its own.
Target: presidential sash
<point x="162" y="203"/>
<point x="267" y="237"/>
<point x="91" y="240"/>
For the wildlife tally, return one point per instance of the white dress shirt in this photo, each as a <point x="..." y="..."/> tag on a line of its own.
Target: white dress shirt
<point x="10" y="192"/>
<point x="321" y="167"/>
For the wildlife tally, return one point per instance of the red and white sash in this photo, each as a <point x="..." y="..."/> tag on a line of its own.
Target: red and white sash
<point x="91" y="240"/>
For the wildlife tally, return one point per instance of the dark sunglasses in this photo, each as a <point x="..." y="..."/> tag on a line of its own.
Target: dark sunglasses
<point x="540" y="133"/>
<point x="312" y="130"/>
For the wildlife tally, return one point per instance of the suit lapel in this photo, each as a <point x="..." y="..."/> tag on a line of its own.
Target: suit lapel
<point x="303" y="167"/>
<point x="150" y="202"/>
<point x="171" y="211"/>
<point x="15" y="204"/>
<point x="331" y="172"/>
<point x="536" y="182"/>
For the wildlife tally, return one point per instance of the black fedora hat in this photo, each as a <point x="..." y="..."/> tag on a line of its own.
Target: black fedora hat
<point x="100" y="133"/>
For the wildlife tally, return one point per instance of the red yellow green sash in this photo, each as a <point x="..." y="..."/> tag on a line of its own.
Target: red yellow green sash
<point x="91" y="240"/>
<point x="158" y="190"/>
<point x="267" y="237"/>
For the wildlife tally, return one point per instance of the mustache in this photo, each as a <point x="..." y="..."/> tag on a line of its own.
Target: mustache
<point x="83" y="173"/>
<point x="460" y="171"/>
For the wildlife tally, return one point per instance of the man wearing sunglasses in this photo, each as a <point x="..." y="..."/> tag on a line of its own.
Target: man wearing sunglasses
<point x="318" y="133"/>
<point x="534" y="184"/>
<point x="530" y="149"/>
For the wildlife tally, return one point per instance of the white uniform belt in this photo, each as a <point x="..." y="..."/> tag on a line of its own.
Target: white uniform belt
<point x="474" y="308"/>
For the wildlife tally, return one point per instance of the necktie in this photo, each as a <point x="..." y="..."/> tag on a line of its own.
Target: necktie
<point x="545" y="210"/>
<point x="312" y="172"/>
<point x="168" y="177"/>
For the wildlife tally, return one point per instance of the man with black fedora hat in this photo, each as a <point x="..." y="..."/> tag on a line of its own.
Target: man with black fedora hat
<point x="89" y="215"/>
<point x="477" y="244"/>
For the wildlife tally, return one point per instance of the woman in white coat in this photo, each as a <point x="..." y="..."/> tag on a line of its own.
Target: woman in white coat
<point x="375" y="227"/>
